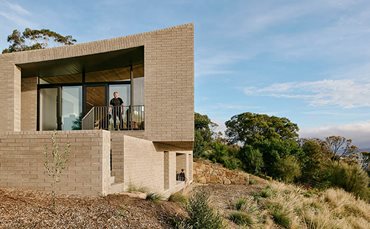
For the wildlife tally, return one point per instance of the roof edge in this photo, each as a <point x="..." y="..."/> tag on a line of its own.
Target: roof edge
<point x="186" y="25"/>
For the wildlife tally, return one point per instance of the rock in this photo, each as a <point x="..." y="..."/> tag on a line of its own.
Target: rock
<point x="202" y="180"/>
<point x="226" y="181"/>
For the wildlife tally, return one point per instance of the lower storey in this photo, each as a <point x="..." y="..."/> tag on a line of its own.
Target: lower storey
<point x="100" y="163"/>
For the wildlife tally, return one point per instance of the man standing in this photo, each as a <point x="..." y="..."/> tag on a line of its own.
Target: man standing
<point x="117" y="104"/>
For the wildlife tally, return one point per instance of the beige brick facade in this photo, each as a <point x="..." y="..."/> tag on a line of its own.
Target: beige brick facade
<point x="87" y="173"/>
<point x="168" y="81"/>
<point x="142" y="158"/>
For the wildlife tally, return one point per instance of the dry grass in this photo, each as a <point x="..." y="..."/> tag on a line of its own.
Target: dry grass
<point x="290" y="206"/>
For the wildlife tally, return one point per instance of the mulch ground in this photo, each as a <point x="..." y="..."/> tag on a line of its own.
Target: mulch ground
<point x="29" y="209"/>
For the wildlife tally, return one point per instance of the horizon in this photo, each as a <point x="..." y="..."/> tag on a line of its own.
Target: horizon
<point x="307" y="61"/>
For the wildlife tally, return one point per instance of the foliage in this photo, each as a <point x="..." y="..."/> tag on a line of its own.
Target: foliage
<point x="178" y="198"/>
<point x="275" y="149"/>
<point x="202" y="133"/>
<point x="340" y="146"/>
<point x="252" y="159"/>
<point x="240" y="203"/>
<point x="155" y="197"/>
<point x="31" y="39"/>
<point x="350" y="177"/>
<point x="133" y="188"/>
<point x="201" y="215"/>
<point x="224" y="154"/>
<point x="264" y="193"/>
<point x="250" y="128"/>
<point x="314" y="159"/>
<point x="241" y="218"/>
<point x="280" y="216"/>
<point x="287" y="168"/>
<point x="55" y="162"/>
<point x="77" y="124"/>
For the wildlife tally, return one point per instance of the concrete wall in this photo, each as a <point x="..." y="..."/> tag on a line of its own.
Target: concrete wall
<point x="22" y="158"/>
<point x="169" y="81"/>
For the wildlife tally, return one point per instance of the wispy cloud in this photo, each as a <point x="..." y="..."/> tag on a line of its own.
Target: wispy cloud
<point x="16" y="14"/>
<point x="210" y="63"/>
<point x="359" y="132"/>
<point x="343" y="93"/>
<point x="16" y="8"/>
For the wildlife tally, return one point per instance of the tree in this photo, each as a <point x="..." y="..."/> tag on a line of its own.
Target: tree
<point x="202" y="134"/>
<point x="31" y="39"/>
<point x="287" y="168"/>
<point x="340" y="146"/>
<point x="316" y="156"/>
<point x="55" y="162"/>
<point x="252" y="159"/>
<point x="250" y="128"/>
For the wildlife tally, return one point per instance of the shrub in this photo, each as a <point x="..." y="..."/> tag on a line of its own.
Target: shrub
<point x="265" y="193"/>
<point x="280" y="216"/>
<point x="240" y="203"/>
<point x="252" y="159"/>
<point x="252" y="181"/>
<point x="201" y="215"/>
<point x="155" y="197"/>
<point x="287" y="168"/>
<point x="241" y="218"/>
<point x="133" y="188"/>
<point x="178" y="198"/>
<point x="350" y="177"/>
<point x="224" y="154"/>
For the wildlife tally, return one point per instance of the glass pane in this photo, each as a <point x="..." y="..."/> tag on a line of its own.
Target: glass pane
<point x="48" y="118"/>
<point x="75" y="78"/>
<point x="71" y="107"/>
<point x="95" y="97"/>
<point x="123" y="92"/>
<point x="139" y="91"/>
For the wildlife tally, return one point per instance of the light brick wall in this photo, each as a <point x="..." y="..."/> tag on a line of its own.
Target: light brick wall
<point x="144" y="165"/>
<point x="29" y="104"/>
<point x="117" y="147"/>
<point x="22" y="158"/>
<point x="7" y="92"/>
<point x="168" y="83"/>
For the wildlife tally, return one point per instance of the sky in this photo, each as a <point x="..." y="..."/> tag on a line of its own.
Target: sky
<point x="308" y="61"/>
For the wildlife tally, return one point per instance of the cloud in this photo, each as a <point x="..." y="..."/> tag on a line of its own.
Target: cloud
<point x="15" y="8"/>
<point x="359" y="132"/>
<point x="16" y="14"/>
<point x="215" y="63"/>
<point x="342" y="93"/>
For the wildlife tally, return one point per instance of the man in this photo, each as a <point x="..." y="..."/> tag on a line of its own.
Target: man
<point x="117" y="104"/>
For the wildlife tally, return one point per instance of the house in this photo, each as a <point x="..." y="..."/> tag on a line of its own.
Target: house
<point x="68" y="89"/>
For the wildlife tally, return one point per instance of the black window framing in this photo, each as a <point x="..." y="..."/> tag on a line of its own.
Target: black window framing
<point x="83" y="84"/>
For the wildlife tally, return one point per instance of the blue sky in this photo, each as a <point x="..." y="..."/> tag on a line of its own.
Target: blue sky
<point x="305" y="60"/>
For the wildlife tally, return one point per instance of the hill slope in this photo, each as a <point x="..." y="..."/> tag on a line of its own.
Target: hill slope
<point x="265" y="204"/>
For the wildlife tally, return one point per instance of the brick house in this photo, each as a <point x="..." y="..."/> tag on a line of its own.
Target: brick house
<point x="69" y="89"/>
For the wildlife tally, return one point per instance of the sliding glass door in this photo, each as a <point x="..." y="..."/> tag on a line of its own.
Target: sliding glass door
<point x="49" y="104"/>
<point x="60" y="108"/>
<point x="71" y="114"/>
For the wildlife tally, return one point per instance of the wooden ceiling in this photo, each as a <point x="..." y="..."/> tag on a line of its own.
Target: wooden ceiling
<point x="111" y="75"/>
<point x="88" y="63"/>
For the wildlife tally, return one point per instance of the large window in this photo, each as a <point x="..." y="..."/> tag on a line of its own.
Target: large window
<point x="71" y="107"/>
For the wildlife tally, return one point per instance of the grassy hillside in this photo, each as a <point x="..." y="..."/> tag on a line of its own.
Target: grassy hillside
<point x="257" y="204"/>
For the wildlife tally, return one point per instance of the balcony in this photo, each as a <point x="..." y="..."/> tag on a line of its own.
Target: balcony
<point x="114" y="118"/>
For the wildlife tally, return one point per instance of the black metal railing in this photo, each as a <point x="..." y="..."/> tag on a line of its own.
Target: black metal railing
<point x="114" y="118"/>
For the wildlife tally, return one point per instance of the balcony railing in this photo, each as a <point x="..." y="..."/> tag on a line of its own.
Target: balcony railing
<point x="114" y="118"/>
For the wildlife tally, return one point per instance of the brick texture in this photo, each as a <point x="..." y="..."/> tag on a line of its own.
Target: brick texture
<point x="87" y="172"/>
<point x="168" y="81"/>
